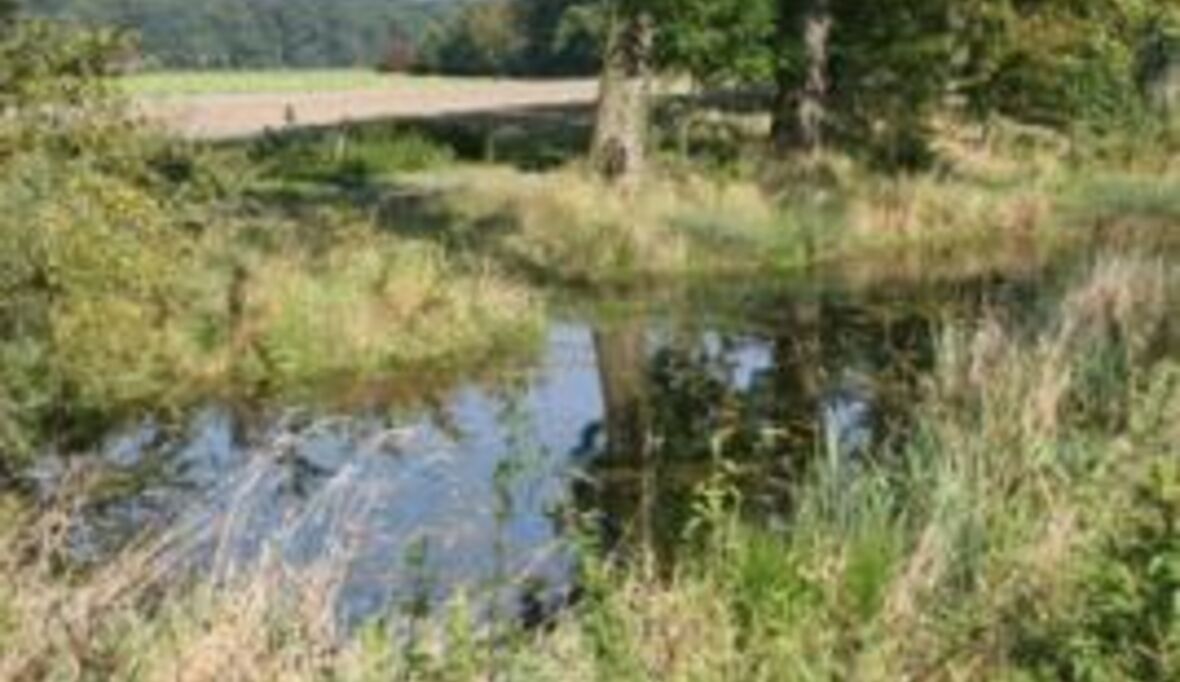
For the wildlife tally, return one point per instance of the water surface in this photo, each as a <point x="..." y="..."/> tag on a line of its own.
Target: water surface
<point x="611" y="433"/>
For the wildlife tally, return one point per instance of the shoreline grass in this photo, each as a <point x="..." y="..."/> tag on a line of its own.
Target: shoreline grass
<point x="985" y="205"/>
<point x="568" y="229"/>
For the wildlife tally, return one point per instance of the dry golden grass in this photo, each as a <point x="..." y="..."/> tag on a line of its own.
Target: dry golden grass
<point x="569" y="226"/>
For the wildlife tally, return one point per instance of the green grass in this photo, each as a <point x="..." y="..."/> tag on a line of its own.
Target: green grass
<point x="372" y="310"/>
<point x="350" y="158"/>
<point x="1109" y="197"/>
<point x="166" y="83"/>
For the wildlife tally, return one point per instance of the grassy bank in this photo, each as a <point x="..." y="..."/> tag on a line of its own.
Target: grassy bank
<point x="1025" y="531"/>
<point x="567" y="227"/>
<point x="995" y="200"/>
<point x="138" y="276"/>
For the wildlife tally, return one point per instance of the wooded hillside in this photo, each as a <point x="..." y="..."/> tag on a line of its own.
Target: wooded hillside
<point x="256" y="33"/>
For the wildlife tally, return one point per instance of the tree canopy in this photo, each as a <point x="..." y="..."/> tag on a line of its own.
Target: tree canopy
<point x="518" y="37"/>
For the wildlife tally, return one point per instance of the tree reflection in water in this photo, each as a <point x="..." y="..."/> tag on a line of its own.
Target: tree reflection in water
<point x="826" y="381"/>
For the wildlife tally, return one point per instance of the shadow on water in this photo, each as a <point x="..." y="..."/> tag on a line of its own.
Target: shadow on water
<point x="613" y="432"/>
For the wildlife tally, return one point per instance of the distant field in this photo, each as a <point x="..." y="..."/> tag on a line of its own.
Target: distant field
<point x="165" y="83"/>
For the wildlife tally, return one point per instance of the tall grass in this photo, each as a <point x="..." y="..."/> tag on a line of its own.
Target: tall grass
<point x="971" y="554"/>
<point x="374" y="309"/>
<point x="985" y="210"/>
<point x="568" y="226"/>
<point x="352" y="158"/>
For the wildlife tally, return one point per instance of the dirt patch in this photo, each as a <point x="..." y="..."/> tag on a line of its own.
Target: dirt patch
<point x="228" y="116"/>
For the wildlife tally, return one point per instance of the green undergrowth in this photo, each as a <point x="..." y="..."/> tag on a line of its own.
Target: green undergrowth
<point x="1108" y="198"/>
<point x="371" y="309"/>
<point x="564" y="227"/>
<point x="349" y="158"/>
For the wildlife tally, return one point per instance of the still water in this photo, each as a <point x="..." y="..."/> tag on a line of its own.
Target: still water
<point x="611" y="433"/>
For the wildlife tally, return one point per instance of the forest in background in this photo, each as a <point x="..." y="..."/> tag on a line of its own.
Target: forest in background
<point x="233" y="34"/>
<point x="486" y="37"/>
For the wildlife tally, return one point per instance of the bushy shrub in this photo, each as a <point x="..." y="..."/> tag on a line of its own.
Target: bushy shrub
<point x="90" y="268"/>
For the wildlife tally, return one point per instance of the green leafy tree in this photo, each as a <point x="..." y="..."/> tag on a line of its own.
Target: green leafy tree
<point x="45" y="63"/>
<point x="715" y="41"/>
<point x="890" y="72"/>
<point x="718" y="42"/>
<point x="90" y="259"/>
<point x="1060" y="63"/>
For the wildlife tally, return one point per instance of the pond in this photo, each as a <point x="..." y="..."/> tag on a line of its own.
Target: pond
<point x="494" y="488"/>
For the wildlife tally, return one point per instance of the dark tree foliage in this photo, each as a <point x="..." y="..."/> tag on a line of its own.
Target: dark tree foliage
<point x="517" y="37"/>
<point x="561" y="36"/>
<point x="7" y="13"/>
<point x="891" y="65"/>
<point x="718" y="42"/>
<point x="1060" y="63"/>
<point x="483" y="38"/>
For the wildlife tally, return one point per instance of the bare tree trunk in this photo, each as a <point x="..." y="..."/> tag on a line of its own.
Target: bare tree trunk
<point x="813" y="105"/>
<point x="620" y="134"/>
<point x="800" y="111"/>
